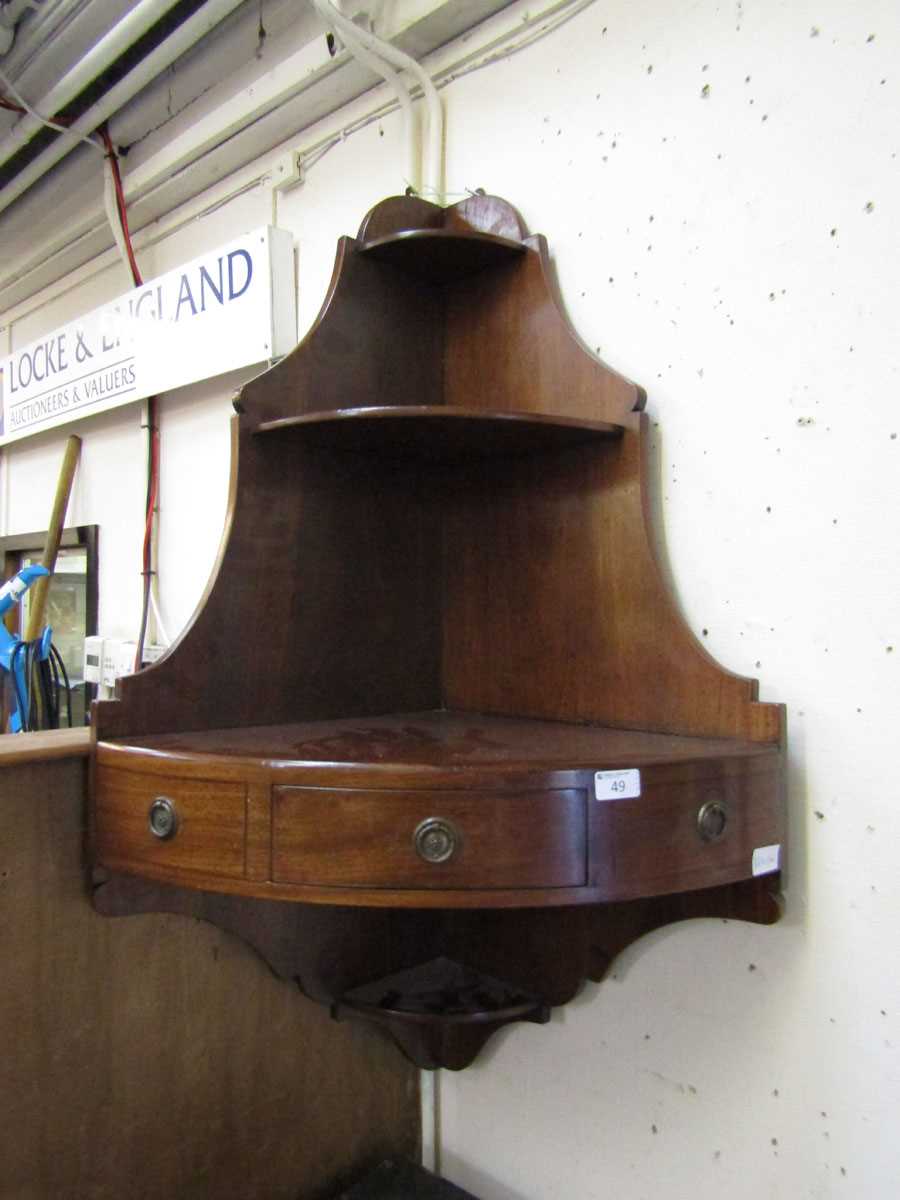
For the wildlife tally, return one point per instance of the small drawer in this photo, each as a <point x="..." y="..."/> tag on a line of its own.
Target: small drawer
<point x="184" y="824"/>
<point x="681" y="837"/>
<point x="330" y="837"/>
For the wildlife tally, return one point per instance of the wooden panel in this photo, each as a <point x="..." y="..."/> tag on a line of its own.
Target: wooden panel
<point x="424" y="749"/>
<point x="378" y="339"/>
<point x="546" y="952"/>
<point x="652" y="846"/>
<point x="333" y="566"/>
<point x="41" y="747"/>
<point x="509" y="346"/>
<point x="211" y="822"/>
<point x="437" y="433"/>
<point x="157" y="1057"/>
<point x="340" y="841"/>
<point x="259" y="831"/>
<point x="555" y="606"/>
<point x="348" y="838"/>
<point x="441" y="255"/>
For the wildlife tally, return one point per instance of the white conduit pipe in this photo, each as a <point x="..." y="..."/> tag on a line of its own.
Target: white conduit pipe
<point x="434" y="174"/>
<point x="161" y="635"/>
<point x="111" y="205"/>
<point x="13" y="92"/>
<point x="390" y="76"/>
<point x="120" y="38"/>
<point x="183" y="38"/>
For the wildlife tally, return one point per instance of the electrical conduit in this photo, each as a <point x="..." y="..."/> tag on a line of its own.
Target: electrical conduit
<point x="351" y="33"/>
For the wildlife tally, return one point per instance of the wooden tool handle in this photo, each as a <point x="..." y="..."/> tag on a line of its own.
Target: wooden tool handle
<point x="38" y="598"/>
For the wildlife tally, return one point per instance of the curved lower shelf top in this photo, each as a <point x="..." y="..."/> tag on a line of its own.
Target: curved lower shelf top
<point x="439" y="431"/>
<point x="441" y="747"/>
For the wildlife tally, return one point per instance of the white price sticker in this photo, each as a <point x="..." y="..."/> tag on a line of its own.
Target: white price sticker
<point x="617" y="785"/>
<point x="766" y="859"/>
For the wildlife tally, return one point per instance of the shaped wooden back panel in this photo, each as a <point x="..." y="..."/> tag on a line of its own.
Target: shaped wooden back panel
<point x="353" y="581"/>
<point x="554" y="606"/>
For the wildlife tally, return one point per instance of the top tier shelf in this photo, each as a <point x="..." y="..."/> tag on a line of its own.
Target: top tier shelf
<point x="442" y="255"/>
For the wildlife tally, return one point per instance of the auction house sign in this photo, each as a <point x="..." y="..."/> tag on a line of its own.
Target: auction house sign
<point x="232" y="307"/>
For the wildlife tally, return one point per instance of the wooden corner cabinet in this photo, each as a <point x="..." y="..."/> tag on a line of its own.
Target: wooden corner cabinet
<point x="437" y="742"/>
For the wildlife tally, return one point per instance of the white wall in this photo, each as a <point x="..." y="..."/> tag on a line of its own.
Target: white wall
<point x="693" y="244"/>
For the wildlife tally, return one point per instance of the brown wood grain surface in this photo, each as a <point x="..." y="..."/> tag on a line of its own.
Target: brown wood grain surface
<point x="211" y="815"/>
<point x="335" y="805"/>
<point x="510" y="347"/>
<point x="333" y="563"/>
<point x="487" y="551"/>
<point x="437" y="433"/>
<point x="157" y="1057"/>
<point x="523" y="584"/>
<point x="430" y="746"/>
<point x="19" y="748"/>
<point x="554" y="605"/>
<point x="360" y="838"/>
<point x="547" y="952"/>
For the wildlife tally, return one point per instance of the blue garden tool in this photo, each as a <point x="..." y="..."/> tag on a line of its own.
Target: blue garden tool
<point x="14" y="652"/>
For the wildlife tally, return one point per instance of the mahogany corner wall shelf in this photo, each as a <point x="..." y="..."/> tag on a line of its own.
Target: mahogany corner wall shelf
<point x="437" y="742"/>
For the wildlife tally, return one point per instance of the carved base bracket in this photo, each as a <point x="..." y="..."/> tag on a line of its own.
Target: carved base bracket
<point x="403" y="969"/>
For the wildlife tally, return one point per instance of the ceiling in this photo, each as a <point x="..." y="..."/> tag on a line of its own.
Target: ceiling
<point x="258" y="75"/>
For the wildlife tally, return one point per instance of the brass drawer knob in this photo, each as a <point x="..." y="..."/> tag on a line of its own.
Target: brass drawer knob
<point x="435" y="840"/>
<point x="163" y="818"/>
<point x="712" y="820"/>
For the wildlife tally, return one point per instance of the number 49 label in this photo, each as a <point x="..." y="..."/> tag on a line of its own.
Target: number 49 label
<point x="617" y="785"/>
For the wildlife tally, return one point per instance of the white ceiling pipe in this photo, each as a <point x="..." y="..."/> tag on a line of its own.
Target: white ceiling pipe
<point x="184" y="37"/>
<point x="434" y="167"/>
<point x="393" y="79"/>
<point x="120" y="38"/>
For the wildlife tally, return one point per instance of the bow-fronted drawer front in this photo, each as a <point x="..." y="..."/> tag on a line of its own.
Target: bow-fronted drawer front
<point x="157" y="820"/>
<point x="358" y="837"/>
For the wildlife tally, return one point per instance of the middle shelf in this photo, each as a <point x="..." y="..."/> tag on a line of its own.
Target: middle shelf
<point x="439" y="431"/>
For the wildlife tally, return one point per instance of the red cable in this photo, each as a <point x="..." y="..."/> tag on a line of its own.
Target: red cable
<point x="121" y="206"/>
<point x="117" y="181"/>
<point x="153" y="447"/>
<point x="151" y="504"/>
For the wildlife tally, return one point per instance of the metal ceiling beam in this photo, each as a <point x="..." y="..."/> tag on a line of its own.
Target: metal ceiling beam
<point x="185" y="36"/>
<point x="116" y="41"/>
<point x="256" y="107"/>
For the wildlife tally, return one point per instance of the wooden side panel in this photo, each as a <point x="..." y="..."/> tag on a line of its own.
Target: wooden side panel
<point x="377" y="340"/>
<point x="363" y="838"/>
<point x="325" y="604"/>
<point x="329" y="568"/>
<point x="510" y="348"/>
<point x="156" y="1057"/>
<point x="555" y="606"/>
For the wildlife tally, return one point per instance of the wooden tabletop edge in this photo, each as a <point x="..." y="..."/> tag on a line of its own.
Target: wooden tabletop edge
<point x="17" y="748"/>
